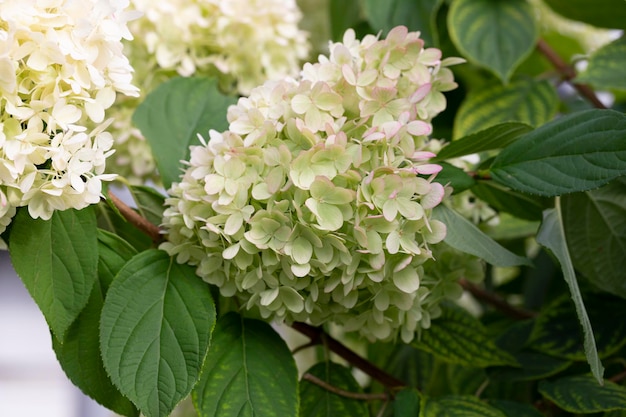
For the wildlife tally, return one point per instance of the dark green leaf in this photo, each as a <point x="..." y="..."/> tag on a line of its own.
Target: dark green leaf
<point x="408" y="364"/>
<point x="407" y="403"/>
<point x="532" y="366"/>
<point x="583" y="394"/>
<point x="459" y="406"/>
<point x="513" y="409"/>
<point x="174" y="114"/>
<point x="343" y="14"/>
<point x="248" y="372"/>
<point x="595" y="227"/>
<point x="495" y="137"/>
<point x="602" y="13"/>
<point x="455" y="177"/>
<point x="150" y="203"/>
<point x="417" y="15"/>
<point x="111" y="221"/>
<point x="524" y="101"/>
<point x="552" y="236"/>
<point x="577" y="152"/>
<point x="604" y="70"/>
<point x="316" y="401"/>
<point x="466" y="237"/>
<point x="458" y="337"/>
<point x="79" y="354"/>
<point x="57" y="260"/>
<point x="497" y="35"/>
<point x="155" y="330"/>
<point x="557" y="329"/>
<point x="501" y="198"/>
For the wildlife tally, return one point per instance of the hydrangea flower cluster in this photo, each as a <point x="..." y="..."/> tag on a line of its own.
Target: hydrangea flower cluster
<point x="316" y="204"/>
<point x="61" y="65"/>
<point x="242" y="43"/>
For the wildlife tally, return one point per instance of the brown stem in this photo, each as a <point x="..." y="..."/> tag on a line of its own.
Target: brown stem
<point x="136" y="219"/>
<point x="319" y="336"/>
<point x="568" y="73"/>
<point x="343" y="392"/>
<point x="496" y="301"/>
<point x="619" y="377"/>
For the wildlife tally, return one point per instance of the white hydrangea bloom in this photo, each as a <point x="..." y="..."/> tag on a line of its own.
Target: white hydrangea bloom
<point x="62" y="64"/>
<point x="316" y="204"/>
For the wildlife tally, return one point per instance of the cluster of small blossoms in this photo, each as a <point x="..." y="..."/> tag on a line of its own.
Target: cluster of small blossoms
<point x="61" y="65"/>
<point x="316" y="204"/>
<point x="242" y="43"/>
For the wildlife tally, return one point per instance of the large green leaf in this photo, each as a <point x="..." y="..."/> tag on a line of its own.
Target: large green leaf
<point x="79" y="354"/>
<point x="557" y="328"/>
<point x="110" y="220"/>
<point x="525" y="101"/>
<point x="455" y="177"/>
<point x="466" y="237"/>
<point x="497" y="35"/>
<point x="174" y="114"/>
<point x="552" y="236"/>
<point x="417" y="15"/>
<point x="248" y="372"/>
<point x="583" y="394"/>
<point x="316" y="401"/>
<point x="57" y="260"/>
<point x="458" y="337"/>
<point x="150" y="203"/>
<point x="343" y="14"/>
<point x="459" y="406"/>
<point x="513" y="409"/>
<point x="577" y="152"/>
<point x="602" y="13"/>
<point x="155" y="330"/>
<point x="495" y="137"/>
<point x="595" y="227"/>
<point x="407" y="403"/>
<point x="501" y="198"/>
<point x="532" y="366"/>
<point x="604" y="70"/>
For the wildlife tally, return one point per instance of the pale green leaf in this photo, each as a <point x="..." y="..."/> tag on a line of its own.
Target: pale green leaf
<point x="316" y="401"/>
<point x="174" y="113"/>
<point x="583" y="394"/>
<point x="604" y="70"/>
<point x="552" y="236"/>
<point x="466" y="237"/>
<point x="527" y="101"/>
<point x="249" y="371"/>
<point x="496" y="35"/>
<point x="458" y="337"/>
<point x="155" y="329"/>
<point x="577" y="152"/>
<point x="57" y="260"/>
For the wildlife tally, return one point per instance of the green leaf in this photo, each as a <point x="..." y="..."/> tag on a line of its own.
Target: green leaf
<point x="458" y="179"/>
<point x="111" y="221"/>
<point x="343" y="14"/>
<point x="150" y="203"/>
<point x="174" y="113"/>
<point x="501" y="198"/>
<point x="407" y="403"/>
<point x="316" y="401"/>
<point x="79" y="354"/>
<point x="496" y="35"/>
<point x="602" y="13"/>
<point x="57" y="260"/>
<point x="248" y="372"/>
<point x="417" y="15"/>
<point x="577" y="152"/>
<point x="532" y="366"/>
<point x="605" y="66"/>
<point x="583" y="394"/>
<point x="495" y="137"/>
<point x="514" y="409"/>
<point x="557" y="329"/>
<point x="464" y="236"/>
<point x="459" y="406"/>
<point x="458" y="337"/>
<point x="523" y="101"/>
<point x="155" y="330"/>
<point x="595" y="228"/>
<point x="552" y="236"/>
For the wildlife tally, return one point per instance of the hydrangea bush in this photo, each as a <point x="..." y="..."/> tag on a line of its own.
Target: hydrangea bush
<point x="61" y="67"/>
<point x="316" y="204"/>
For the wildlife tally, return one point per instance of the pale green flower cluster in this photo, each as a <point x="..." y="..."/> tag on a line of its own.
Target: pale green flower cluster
<point x="61" y="65"/>
<point x="316" y="204"/>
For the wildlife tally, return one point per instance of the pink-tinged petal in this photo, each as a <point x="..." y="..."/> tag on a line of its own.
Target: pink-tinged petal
<point x="348" y="74"/>
<point x="420" y="93"/>
<point x="301" y="103"/>
<point x="430" y="56"/>
<point x="419" y="128"/>
<point x="391" y="129"/>
<point x="434" y="197"/>
<point x="428" y="169"/>
<point x="422" y="155"/>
